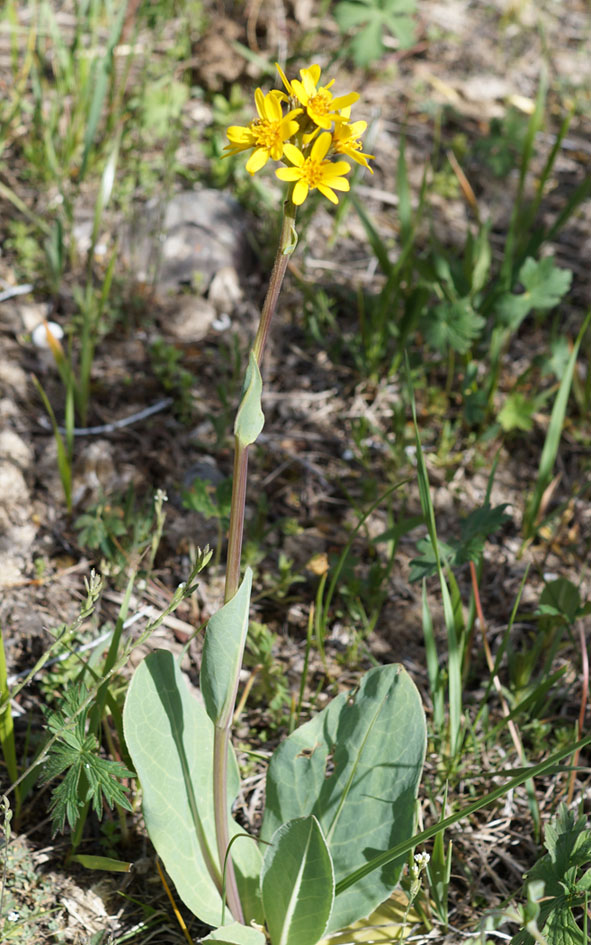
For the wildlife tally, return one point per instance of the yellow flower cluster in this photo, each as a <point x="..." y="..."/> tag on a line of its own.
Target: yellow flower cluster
<point x="314" y="128"/>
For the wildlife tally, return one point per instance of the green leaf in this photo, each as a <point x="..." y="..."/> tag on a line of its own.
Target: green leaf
<point x="568" y="841"/>
<point x="297" y="883"/>
<point x="250" y="419"/>
<point x="372" y="19"/>
<point x="428" y="563"/>
<point x="198" y="498"/>
<point x="553" y="435"/>
<point x="544" y="286"/>
<point x="452" y="324"/>
<point x="479" y="525"/>
<point x="356" y="766"/>
<point x="480" y="255"/>
<point x="91" y="862"/>
<point x="223" y="648"/>
<point x="236" y="934"/>
<point x="560" y="598"/>
<point x="87" y="775"/>
<point x="517" y="412"/>
<point x="170" y="739"/>
<point x="474" y="530"/>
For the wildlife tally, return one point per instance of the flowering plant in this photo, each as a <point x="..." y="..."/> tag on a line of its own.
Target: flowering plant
<point x="341" y="789"/>
<point x="314" y="129"/>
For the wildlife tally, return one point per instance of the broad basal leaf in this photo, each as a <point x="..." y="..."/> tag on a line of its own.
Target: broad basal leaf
<point x="170" y="739"/>
<point x="297" y="883"/>
<point x="356" y="767"/>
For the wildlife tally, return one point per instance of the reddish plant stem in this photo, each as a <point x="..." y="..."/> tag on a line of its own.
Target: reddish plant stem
<point x="491" y="664"/>
<point x="222" y="736"/>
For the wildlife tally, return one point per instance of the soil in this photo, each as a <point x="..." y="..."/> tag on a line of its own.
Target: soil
<point x="308" y="474"/>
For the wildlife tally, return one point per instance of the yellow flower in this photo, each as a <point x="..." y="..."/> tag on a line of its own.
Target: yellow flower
<point x="319" y="103"/>
<point x="346" y="139"/>
<point x="267" y="134"/>
<point x="313" y="171"/>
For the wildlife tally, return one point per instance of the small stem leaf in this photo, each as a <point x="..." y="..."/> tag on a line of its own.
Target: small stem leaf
<point x="297" y="883"/>
<point x="250" y="419"/>
<point x="170" y="739"/>
<point x="356" y="766"/>
<point x="222" y="654"/>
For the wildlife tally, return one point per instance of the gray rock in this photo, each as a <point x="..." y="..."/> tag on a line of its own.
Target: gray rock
<point x="188" y="240"/>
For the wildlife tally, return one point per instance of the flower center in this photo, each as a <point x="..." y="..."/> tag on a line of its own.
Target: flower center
<point x="268" y="133"/>
<point x="311" y="171"/>
<point x="320" y="103"/>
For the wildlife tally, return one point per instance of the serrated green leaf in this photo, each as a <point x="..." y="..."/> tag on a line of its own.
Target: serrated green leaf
<point x="568" y="841"/>
<point x="452" y="324"/>
<point x="367" y="45"/>
<point x="371" y="20"/>
<point x="517" y="412"/>
<point x="349" y="15"/>
<point x="223" y="648"/>
<point x="479" y="525"/>
<point x="250" y="419"/>
<point x="356" y="766"/>
<point x="170" y="739"/>
<point x="561" y="597"/>
<point x="297" y="883"/>
<point x="544" y="286"/>
<point x="426" y="564"/>
<point x="474" y="530"/>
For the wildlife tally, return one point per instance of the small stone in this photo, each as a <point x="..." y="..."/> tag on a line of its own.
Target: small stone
<point x="39" y="334"/>
<point x="192" y="318"/>
<point x="14" y="448"/>
<point x="225" y="291"/>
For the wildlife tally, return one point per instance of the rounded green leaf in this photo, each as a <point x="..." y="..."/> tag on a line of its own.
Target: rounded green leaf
<point x="356" y="766"/>
<point x="170" y="739"/>
<point x="297" y="883"/>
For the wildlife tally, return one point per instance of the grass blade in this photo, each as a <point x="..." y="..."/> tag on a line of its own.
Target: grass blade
<point x="552" y="441"/>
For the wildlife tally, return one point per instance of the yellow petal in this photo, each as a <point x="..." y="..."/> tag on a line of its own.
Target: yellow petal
<point x="299" y="91"/>
<point x="259" y="100"/>
<point x="273" y="107"/>
<point x="239" y="135"/>
<point x="284" y="79"/>
<point x="338" y="183"/>
<point x="313" y="71"/>
<point x="288" y="173"/>
<point x="300" y="192"/>
<point x="335" y="169"/>
<point x="327" y="192"/>
<point x="323" y="121"/>
<point x="343" y="100"/>
<point x="320" y="147"/>
<point x="257" y="159"/>
<point x="293" y="154"/>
